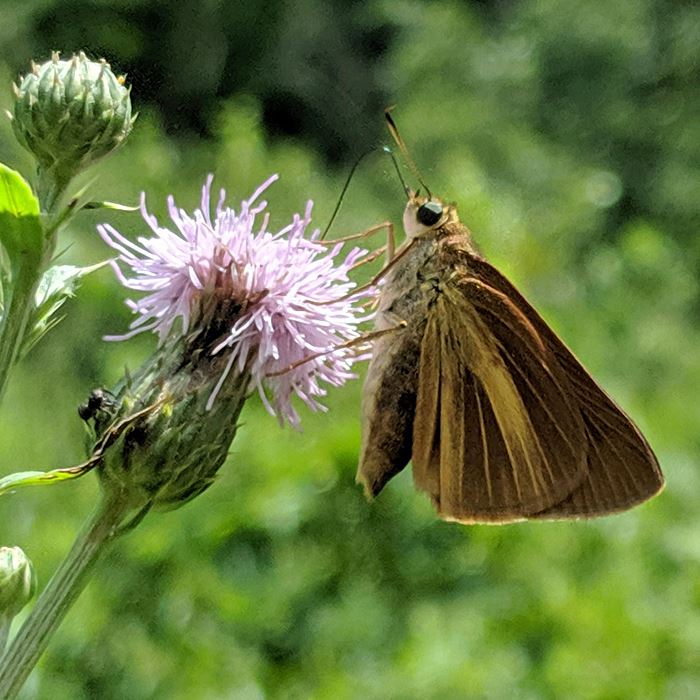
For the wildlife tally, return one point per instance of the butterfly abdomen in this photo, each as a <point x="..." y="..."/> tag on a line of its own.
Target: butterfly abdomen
<point x="389" y="397"/>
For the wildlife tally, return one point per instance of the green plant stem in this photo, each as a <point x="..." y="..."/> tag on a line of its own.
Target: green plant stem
<point x="61" y="592"/>
<point x="5" y="622"/>
<point x="13" y="329"/>
<point x="50" y="188"/>
<point x="26" y="278"/>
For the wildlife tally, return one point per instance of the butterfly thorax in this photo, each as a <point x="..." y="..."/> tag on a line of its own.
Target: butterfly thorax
<point x="416" y="279"/>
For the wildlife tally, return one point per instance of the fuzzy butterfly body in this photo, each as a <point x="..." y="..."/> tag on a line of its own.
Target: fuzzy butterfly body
<point x="501" y="421"/>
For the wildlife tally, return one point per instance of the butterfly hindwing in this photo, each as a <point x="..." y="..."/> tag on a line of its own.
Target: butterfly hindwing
<point x="388" y="409"/>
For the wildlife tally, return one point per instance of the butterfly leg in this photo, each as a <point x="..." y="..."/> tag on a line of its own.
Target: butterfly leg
<point x="388" y="249"/>
<point x="360" y="340"/>
<point x="370" y="258"/>
<point x="386" y="225"/>
<point x="397" y="256"/>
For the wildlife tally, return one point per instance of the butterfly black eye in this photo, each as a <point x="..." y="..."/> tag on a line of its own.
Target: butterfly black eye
<point x="429" y="213"/>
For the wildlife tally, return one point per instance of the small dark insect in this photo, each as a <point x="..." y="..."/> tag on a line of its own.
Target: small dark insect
<point x="100" y="404"/>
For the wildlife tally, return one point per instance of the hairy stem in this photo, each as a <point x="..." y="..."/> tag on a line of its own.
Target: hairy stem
<point x="61" y="592"/>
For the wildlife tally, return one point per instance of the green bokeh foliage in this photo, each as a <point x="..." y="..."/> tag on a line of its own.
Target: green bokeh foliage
<point x="568" y="136"/>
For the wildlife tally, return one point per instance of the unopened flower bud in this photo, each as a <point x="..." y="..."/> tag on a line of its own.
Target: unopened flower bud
<point x="166" y="446"/>
<point x="69" y="114"/>
<point x="17" y="581"/>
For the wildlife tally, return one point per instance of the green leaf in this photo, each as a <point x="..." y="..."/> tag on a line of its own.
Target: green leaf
<point x="57" y="284"/>
<point x="16" y="196"/>
<point x="115" y="206"/>
<point x="23" y="249"/>
<point x="21" y="236"/>
<point x="21" y="479"/>
<point x="20" y="225"/>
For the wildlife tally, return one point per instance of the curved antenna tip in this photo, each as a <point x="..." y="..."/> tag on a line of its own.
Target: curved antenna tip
<point x="394" y="131"/>
<point x="344" y="190"/>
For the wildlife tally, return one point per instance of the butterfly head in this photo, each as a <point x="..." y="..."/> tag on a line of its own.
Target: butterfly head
<point x="424" y="214"/>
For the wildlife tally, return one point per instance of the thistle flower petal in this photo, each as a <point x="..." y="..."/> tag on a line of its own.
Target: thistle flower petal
<point x="289" y="292"/>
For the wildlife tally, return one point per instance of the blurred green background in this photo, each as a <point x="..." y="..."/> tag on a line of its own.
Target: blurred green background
<point x="568" y="135"/>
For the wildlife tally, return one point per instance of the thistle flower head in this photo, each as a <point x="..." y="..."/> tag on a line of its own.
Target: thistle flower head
<point x="69" y="114"/>
<point x="265" y="301"/>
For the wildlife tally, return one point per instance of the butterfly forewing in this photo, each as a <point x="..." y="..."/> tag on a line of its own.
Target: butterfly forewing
<point x="508" y="442"/>
<point x="426" y="426"/>
<point x="621" y="467"/>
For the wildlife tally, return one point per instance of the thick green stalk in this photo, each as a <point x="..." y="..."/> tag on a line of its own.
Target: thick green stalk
<point x="5" y="622"/>
<point x="50" y="188"/>
<point x="61" y="592"/>
<point x="25" y="280"/>
<point x="14" y="327"/>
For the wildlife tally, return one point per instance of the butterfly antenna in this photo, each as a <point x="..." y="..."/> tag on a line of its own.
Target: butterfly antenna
<point x="390" y="153"/>
<point x="394" y="131"/>
<point x="344" y="190"/>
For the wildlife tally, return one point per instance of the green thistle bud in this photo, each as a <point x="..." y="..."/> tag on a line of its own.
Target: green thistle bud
<point x="17" y="581"/>
<point x="69" y="114"/>
<point x="165" y="444"/>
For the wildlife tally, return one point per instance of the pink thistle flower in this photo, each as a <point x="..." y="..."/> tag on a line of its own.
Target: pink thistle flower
<point x="290" y="292"/>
